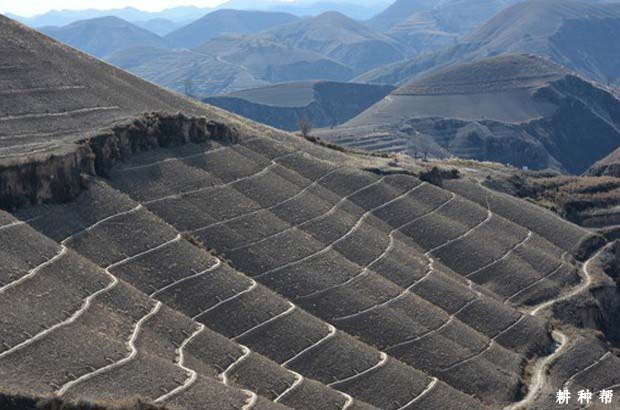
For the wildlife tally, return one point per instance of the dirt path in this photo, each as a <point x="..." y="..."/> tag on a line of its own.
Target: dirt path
<point x="539" y="380"/>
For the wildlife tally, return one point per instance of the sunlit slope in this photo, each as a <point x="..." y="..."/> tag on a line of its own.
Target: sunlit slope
<point x="500" y="89"/>
<point x="399" y="264"/>
<point x="236" y="305"/>
<point x="77" y="330"/>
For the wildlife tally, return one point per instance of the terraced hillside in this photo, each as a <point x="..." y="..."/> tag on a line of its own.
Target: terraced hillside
<point x="297" y="285"/>
<point x="228" y="64"/>
<point x="514" y="109"/>
<point x="323" y="103"/>
<point x="210" y="263"/>
<point x="589" y="200"/>
<point x="429" y="25"/>
<point x="52" y="95"/>
<point x="341" y="38"/>
<point x="579" y="35"/>
<point x="329" y="47"/>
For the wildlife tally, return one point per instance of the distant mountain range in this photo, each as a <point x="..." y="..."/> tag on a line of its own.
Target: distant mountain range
<point x="425" y="25"/>
<point x="103" y="36"/>
<point x="516" y="109"/>
<point x="578" y="35"/>
<point x="185" y="14"/>
<point x="228" y="64"/>
<point x="330" y="46"/>
<point x="339" y="37"/>
<point x="226" y="22"/>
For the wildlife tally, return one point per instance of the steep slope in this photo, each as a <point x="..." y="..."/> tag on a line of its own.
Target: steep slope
<point x="226" y="22"/>
<point x="578" y="35"/>
<point x="230" y="63"/>
<point x="170" y="358"/>
<point x="341" y="38"/>
<point x="103" y="36"/>
<point x="214" y="263"/>
<point x="323" y="103"/>
<point x="515" y="109"/>
<point x="428" y="25"/>
<point x="53" y="96"/>
<point x="608" y="166"/>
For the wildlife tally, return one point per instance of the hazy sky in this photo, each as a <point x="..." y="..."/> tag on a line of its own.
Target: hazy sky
<point x="31" y="7"/>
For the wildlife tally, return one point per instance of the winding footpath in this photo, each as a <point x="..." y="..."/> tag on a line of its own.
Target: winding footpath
<point x="539" y="380"/>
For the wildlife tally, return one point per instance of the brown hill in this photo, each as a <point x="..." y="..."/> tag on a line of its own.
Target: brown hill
<point x="212" y="263"/>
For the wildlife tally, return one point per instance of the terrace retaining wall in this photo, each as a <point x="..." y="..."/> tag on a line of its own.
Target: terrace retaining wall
<point x="60" y="178"/>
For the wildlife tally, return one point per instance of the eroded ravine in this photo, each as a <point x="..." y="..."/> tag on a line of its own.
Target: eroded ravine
<point x="539" y="379"/>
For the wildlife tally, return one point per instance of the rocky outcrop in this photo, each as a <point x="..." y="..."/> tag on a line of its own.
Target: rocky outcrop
<point x="59" y="177"/>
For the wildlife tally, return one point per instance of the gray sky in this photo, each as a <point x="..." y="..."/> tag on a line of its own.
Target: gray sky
<point x="31" y="7"/>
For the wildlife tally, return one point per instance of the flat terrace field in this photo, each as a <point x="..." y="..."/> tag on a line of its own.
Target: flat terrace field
<point x="321" y="284"/>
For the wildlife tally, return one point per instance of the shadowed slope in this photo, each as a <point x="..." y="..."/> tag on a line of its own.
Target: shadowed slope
<point x="514" y="109"/>
<point x="323" y="103"/>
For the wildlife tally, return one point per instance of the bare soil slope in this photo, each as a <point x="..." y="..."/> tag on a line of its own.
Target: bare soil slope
<point x="424" y="26"/>
<point x="340" y="38"/>
<point x="53" y="95"/>
<point x="213" y="265"/>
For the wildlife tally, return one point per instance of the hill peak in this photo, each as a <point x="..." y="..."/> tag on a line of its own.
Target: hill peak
<point x="333" y="16"/>
<point x="227" y="21"/>
<point x="499" y="73"/>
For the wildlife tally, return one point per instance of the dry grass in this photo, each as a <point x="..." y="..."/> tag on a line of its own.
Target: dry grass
<point x="577" y="193"/>
<point x="23" y="401"/>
